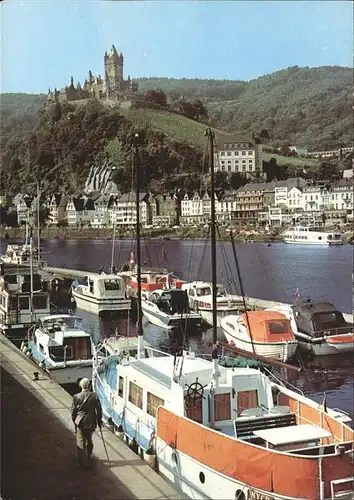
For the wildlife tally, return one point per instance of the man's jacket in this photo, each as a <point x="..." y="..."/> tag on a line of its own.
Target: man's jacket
<point x="86" y="410"/>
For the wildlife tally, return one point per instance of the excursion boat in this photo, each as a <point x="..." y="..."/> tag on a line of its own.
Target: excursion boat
<point x="102" y="293"/>
<point x="62" y="348"/>
<point x="306" y="235"/>
<point x="266" y="333"/>
<point x="230" y="434"/>
<point x="168" y="308"/>
<point x="24" y="299"/>
<point x="320" y="328"/>
<point x="200" y="300"/>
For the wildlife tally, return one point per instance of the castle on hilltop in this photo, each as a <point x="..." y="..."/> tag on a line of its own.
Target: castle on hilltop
<point x="112" y="88"/>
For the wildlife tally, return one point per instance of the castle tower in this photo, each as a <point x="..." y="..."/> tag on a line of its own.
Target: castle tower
<point x="113" y="69"/>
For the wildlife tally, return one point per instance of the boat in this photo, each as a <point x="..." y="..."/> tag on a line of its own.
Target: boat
<point x="320" y="328"/>
<point x="61" y="348"/>
<point x="200" y="300"/>
<point x="307" y="235"/>
<point x="169" y="308"/>
<point x="267" y="333"/>
<point x="218" y="432"/>
<point x="102" y="293"/>
<point x="18" y="256"/>
<point x="151" y="280"/>
<point x="24" y="299"/>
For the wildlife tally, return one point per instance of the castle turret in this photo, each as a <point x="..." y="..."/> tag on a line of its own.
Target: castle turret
<point x="113" y="65"/>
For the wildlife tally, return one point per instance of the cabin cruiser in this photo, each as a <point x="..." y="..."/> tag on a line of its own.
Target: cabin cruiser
<point x="102" y="293"/>
<point x="168" y="308"/>
<point x="151" y="280"/>
<point x="62" y="348"/>
<point x="266" y="333"/>
<point x="320" y="328"/>
<point x="306" y="235"/>
<point x="201" y="300"/>
<point x="224" y="433"/>
<point x="24" y="299"/>
<point x="19" y="256"/>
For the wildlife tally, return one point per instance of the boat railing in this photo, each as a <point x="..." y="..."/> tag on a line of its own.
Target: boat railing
<point x="329" y="332"/>
<point x="283" y="382"/>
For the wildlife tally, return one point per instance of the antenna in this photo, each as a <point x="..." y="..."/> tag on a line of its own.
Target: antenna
<point x="31" y="278"/>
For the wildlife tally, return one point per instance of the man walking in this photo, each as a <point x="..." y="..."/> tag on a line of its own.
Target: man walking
<point x="86" y="413"/>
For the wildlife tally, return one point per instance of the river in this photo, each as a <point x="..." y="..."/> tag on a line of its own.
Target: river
<point x="269" y="272"/>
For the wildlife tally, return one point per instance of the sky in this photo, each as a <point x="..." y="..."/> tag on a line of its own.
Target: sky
<point x="45" y="42"/>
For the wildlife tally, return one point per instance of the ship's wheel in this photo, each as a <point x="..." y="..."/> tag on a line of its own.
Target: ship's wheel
<point x="195" y="390"/>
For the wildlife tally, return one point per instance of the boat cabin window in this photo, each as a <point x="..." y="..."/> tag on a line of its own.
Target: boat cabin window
<point x="153" y="402"/>
<point x="39" y="302"/>
<point x="203" y="291"/>
<point x="120" y="386"/>
<point x="24" y="303"/>
<point x="11" y="279"/>
<point x="194" y="408"/>
<point x="80" y="348"/>
<point x="111" y="285"/>
<point x="230" y="325"/>
<point x="136" y="395"/>
<point x="328" y="320"/>
<point x="13" y="302"/>
<point x="246" y="400"/>
<point x="90" y="282"/>
<point x="57" y="353"/>
<point x="278" y="326"/>
<point x="222" y="407"/>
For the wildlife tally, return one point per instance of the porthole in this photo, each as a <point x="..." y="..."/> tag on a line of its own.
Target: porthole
<point x="202" y="477"/>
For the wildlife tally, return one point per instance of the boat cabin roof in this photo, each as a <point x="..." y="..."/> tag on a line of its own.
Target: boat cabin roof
<point x="166" y="292"/>
<point x="162" y="370"/>
<point x="308" y="309"/>
<point x="268" y="325"/>
<point x="104" y="277"/>
<point x="57" y="317"/>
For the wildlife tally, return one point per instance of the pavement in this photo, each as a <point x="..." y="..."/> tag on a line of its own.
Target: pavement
<point x="38" y="449"/>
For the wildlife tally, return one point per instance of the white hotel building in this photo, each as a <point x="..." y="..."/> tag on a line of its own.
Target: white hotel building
<point x="243" y="156"/>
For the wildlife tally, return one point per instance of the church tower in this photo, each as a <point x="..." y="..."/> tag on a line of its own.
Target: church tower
<point x="113" y="68"/>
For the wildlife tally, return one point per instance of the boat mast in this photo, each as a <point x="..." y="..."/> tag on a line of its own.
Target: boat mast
<point x="138" y="248"/>
<point x="31" y="279"/>
<point x="38" y="228"/>
<point x="113" y="242"/>
<point x="210" y="135"/>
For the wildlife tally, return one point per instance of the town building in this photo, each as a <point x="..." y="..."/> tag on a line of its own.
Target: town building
<point x="244" y="156"/>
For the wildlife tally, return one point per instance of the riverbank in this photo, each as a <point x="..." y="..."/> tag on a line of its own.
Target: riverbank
<point x="46" y="233"/>
<point x="17" y="234"/>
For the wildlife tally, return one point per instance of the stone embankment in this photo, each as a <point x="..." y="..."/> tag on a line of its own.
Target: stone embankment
<point x="38" y="449"/>
<point x="185" y="233"/>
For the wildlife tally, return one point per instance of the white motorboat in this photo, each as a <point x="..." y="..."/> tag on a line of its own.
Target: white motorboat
<point x="102" y="293"/>
<point x="168" y="308"/>
<point x="306" y="235"/>
<point x="62" y="348"/>
<point x="200" y="300"/>
<point x="265" y="333"/>
<point x="24" y="299"/>
<point x="319" y="327"/>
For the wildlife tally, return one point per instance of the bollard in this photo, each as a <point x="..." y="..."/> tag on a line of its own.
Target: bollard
<point x="36" y="376"/>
